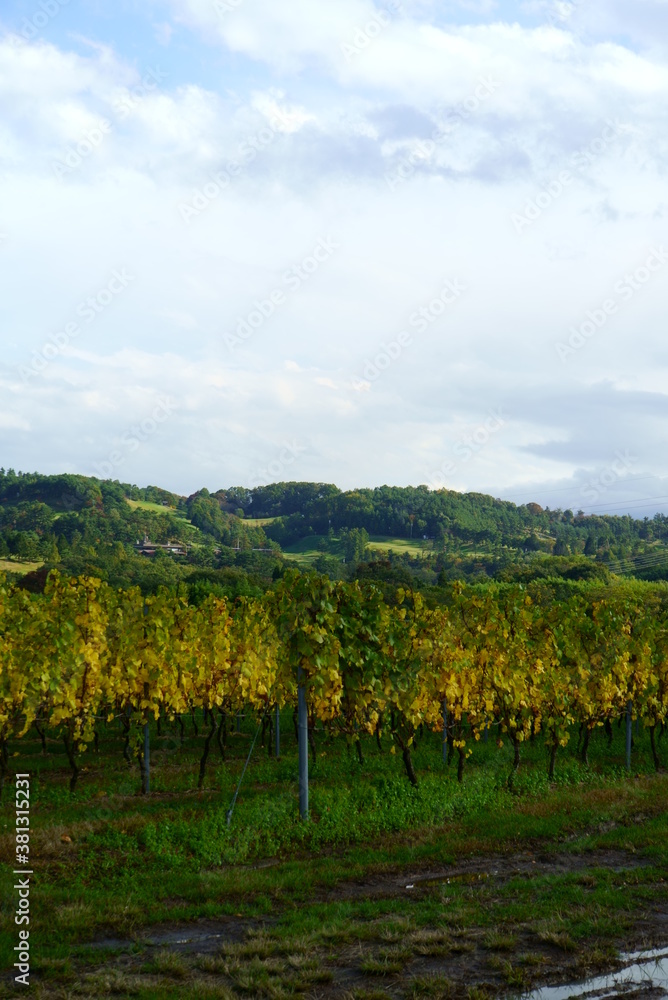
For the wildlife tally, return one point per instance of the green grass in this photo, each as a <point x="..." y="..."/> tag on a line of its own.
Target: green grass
<point x="156" y="508"/>
<point x="306" y="551"/>
<point x="18" y="566"/>
<point x="414" y="547"/>
<point x="135" y="863"/>
<point x="303" y="559"/>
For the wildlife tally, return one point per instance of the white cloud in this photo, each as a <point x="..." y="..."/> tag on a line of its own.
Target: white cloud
<point x="285" y="34"/>
<point x="10" y="421"/>
<point x="428" y="63"/>
<point x="339" y="127"/>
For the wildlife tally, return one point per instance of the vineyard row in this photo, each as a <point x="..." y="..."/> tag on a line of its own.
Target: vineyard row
<point x="499" y="661"/>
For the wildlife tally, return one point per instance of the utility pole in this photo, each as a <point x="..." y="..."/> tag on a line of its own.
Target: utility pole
<point x="302" y="725"/>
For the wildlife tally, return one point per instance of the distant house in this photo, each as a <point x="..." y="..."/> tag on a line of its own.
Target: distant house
<point x="148" y="548"/>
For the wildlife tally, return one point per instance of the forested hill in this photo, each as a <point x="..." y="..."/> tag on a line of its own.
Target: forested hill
<point x="439" y="514"/>
<point x="444" y="534"/>
<point x="102" y="511"/>
<point x="84" y="525"/>
<point x="237" y="535"/>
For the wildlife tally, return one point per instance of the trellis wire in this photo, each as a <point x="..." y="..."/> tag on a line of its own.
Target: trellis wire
<point x="234" y="798"/>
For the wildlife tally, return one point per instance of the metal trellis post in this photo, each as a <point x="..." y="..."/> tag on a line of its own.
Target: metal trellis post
<point x="445" y="731"/>
<point x="303" y="746"/>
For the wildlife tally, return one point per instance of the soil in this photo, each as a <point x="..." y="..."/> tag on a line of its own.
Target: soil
<point x="501" y="868"/>
<point x="467" y="963"/>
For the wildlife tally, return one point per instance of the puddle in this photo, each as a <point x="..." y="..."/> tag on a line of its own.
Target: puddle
<point x="499" y="868"/>
<point x="645" y="971"/>
<point x="201" y="936"/>
<point x="205" y="936"/>
<point x="113" y="944"/>
<point x="191" y="936"/>
<point x="460" y="878"/>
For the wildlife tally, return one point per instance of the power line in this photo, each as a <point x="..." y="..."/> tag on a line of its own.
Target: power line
<point x="641" y="563"/>
<point x="572" y="489"/>
<point x="638" y="502"/>
<point x="634" y="507"/>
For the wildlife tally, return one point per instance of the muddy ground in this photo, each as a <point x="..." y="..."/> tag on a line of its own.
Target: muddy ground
<point x="393" y="958"/>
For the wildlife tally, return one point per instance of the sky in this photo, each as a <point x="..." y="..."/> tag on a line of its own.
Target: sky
<point x="402" y="242"/>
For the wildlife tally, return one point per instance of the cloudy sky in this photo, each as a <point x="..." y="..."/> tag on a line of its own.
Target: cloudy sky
<point x="406" y="242"/>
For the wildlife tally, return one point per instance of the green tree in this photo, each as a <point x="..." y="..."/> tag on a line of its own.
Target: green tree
<point x="355" y="542"/>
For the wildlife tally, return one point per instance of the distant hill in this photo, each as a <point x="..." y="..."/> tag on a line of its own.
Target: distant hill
<point x="241" y="538"/>
<point x="458" y="534"/>
<point x="84" y="525"/>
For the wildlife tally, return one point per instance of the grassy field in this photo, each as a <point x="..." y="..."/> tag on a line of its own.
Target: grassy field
<point x="415" y="547"/>
<point x="444" y="890"/>
<point x="156" y="508"/>
<point x="304" y="560"/>
<point x="17" y="566"/>
<point x="306" y="551"/>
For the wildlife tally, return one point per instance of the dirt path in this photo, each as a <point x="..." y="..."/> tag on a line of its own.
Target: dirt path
<point x="500" y="868"/>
